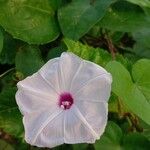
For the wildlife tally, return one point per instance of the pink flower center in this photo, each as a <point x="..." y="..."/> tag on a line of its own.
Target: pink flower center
<point x="65" y="100"/>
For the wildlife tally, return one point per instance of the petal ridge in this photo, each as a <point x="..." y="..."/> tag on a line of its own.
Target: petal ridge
<point x="48" y="83"/>
<point x="68" y="66"/>
<point x="61" y="74"/>
<point x="50" y="72"/>
<point x="46" y="123"/>
<point x="85" y="122"/>
<point x="80" y="66"/>
<point x="33" y="92"/>
<point x="87" y="82"/>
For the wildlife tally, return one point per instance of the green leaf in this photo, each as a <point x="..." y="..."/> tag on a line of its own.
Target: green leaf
<point x="111" y="139"/>
<point x="141" y="76"/>
<point x="10" y="117"/>
<point x="95" y="55"/>
<point x="64" y="147"/>
<point x="22" y="145"/>
<point x="79" y="16"/>
<point x="146" y="129"/>
<point x="143" y="3"/>
<point x="135" y="141"/>
<point x="29" y="21"/>
<point x="5" y="146"/>
<point x="55" y="52"/>
<point x="6" y="79"/>
<point x="113" y="103"/>
<point x="1" y="41"/>
<point x="28" y="60"/>
<point x="140" y="51"/>
<point x="80" y="146"/>
<point x="114" y="139"/>
<point x="122" y="81"/>
<point x="128" y="91"/>
<point x="142" y="46"/>
<point x="56" y="3"/>
<point x="7" y="56"/>
<point x="122" y="16"/>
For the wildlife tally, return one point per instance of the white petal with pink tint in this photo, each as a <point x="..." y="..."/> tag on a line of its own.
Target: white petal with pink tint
<point x="64" y="102"/>
<point x="95" y="89"/>
<point x="76" y="129"/>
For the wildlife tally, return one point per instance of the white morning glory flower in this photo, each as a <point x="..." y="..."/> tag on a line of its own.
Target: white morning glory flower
<point x="64" y="102"/>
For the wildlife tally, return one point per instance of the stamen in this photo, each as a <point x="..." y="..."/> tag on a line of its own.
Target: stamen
<point x="65" y="100"/>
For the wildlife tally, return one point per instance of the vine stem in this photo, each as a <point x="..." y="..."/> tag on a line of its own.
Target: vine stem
<point x="111" y="47"/>
<point x="6" y="137"/>
<point x="6" y="72"/>
<point x="131" y="118"/>
<point x="120" y="108"/>
<point x="134" y="121"/>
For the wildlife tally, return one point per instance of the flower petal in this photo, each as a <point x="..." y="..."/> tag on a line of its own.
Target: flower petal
<point x="48" y="125"/>
<point x="34" y="93"/>
<point x="50" y="73"/>
<point x="41" y="126"/>
<point x="29" y="102"/>
<point x="52" y="135"/>
<point x="87" y="72"/>
<point x="95" y="113"/>
<point x="97" y="89"/>
<point x="75" y="130"/>
<point x="36" y="84"/>
<point x="69" y="66"/>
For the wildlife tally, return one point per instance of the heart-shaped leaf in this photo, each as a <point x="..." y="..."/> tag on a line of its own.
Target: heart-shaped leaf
<point x="30" y="21"/>
<point x="79" y="16"/>
<point x="130" y="93"/>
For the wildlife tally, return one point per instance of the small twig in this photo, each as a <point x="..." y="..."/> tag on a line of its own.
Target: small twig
<point x="5" y="73"/>
<point x="6" y="137"/>
<point x="134" y="120"/>
<point x="131" y="118"/>
<point x="120" y="107"/>
<point x="111" y="47"/>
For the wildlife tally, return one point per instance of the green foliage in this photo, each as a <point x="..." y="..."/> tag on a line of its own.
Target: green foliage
<point x="1" y="41"/>
<point x="5" y="146"/>
<point x="28" y="60"/>
<point x="143" y="3"/>
<point x="98" y="55"/>
<point x="80" y="146"/>
<point x="29" y="21"/>
<point x="78" y="17"/>
<point x="7" y="57"/>
<point x="141" y="74"/>
<point x="142" y="47"/>
<point x="132" y="93"/>
<point x="10" y="117"/>
<point x="114" y="139"/>
<point x="55" y="52"/>
<point x="126" y="14"/>
<point x="114" y="34"/>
